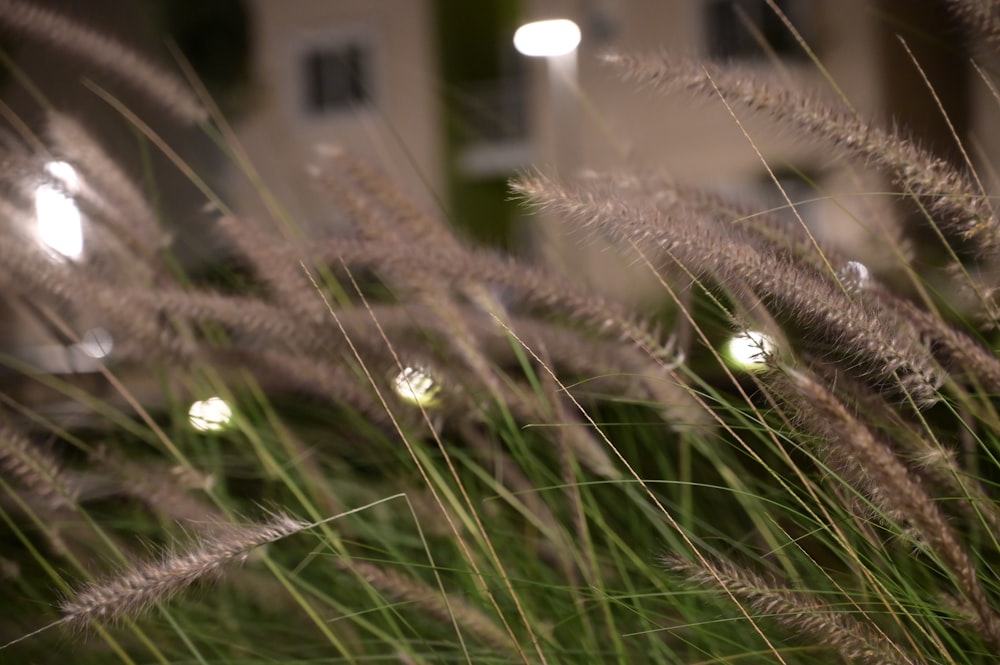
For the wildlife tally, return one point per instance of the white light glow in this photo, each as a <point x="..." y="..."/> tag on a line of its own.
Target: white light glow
<point x="748" y="350"/>
<point x="60" y="226"/>
<point x="547" y="38"/>
<point x="855" y="276"/>
<point x="96" y="343"/>
<point x="65" y="174"/>
<point x="210" y="415"/>
<point x="416" y="386"/>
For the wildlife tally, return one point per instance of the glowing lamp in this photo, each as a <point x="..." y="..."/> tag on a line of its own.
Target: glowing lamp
<point x="549" y="38"/>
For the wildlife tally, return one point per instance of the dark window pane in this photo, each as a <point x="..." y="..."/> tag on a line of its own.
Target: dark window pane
<point x="736" y="28"/>
<point x="336" y="78"/>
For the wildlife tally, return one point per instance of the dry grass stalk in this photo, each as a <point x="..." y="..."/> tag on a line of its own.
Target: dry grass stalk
<point x="791" y="238"/>
<point x="904" y="495"/>
<point x="511" y="477"/>
<point x="389" y="228"/>
<point x="166" y="490"/>
<point x="674" y="199"/>
<point x="140" y="588"/>
<point x="33" y="469"/>
<point x="275" y="262"/>
<point x="983" y="16"/>
<point x="447" y="609"/>
<point x="110" y="55"/>
<point x="958" y="351"/>
<point x="447" y="303"/>
<point x="517" y="286"/>
<point x="383" y="212"/>
<point x="811" y="300"/>
<point x="798" y="612"/>
<point x="949" y="195"/>
<point x="934" y="463"/>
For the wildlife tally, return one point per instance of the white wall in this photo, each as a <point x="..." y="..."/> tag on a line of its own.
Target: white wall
<point x="401" y="134"/>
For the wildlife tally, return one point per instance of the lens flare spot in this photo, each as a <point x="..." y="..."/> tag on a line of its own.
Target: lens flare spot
<point x="210" y="415"/>
<point x="96" y="343"/>
<point x="59" y="225"/>
<point x="749" y="350"/>
<point x="416" y="386"/>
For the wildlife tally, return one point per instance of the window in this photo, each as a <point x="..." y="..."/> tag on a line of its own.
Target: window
<point x="801" y="187"/>
<point x="748" y="29"/>
<point x="337" y="78"/>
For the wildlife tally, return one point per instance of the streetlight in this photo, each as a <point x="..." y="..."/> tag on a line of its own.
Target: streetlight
<point x="550" y="38"/>
<point x="556" y="40"/>
<point x="554" y="109"/>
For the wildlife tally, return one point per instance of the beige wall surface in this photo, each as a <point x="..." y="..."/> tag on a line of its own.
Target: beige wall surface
<point x="400" y="132"/>
<point x="613" y="125"/>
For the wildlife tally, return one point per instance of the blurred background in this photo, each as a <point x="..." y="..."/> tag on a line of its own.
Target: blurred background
<point x="435" y="93"/>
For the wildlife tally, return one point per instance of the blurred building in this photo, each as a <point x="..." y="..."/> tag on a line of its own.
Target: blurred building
<point x="434" y="93"/>
<point x="358" y="74"/>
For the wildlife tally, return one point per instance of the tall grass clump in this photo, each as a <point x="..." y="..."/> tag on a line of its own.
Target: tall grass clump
<point x="434" y="452"/>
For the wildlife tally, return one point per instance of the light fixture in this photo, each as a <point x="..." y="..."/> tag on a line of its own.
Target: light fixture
<point x="210" y="415"/>
<point x="550" y="38"/>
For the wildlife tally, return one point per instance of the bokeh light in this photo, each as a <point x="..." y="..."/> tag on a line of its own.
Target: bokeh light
<point x="210" y="415"/>
<point x="416" y="386"/>
<point x="748" y="350"/>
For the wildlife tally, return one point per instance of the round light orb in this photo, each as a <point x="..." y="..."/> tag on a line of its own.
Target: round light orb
<point x="549" y="38"/>
<point x="854" y="276"/>
<point x="748" y="350"/>
<point x="210" y="415"/>
<point x="96" y="343"/>
<point x="416" y="386"/>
